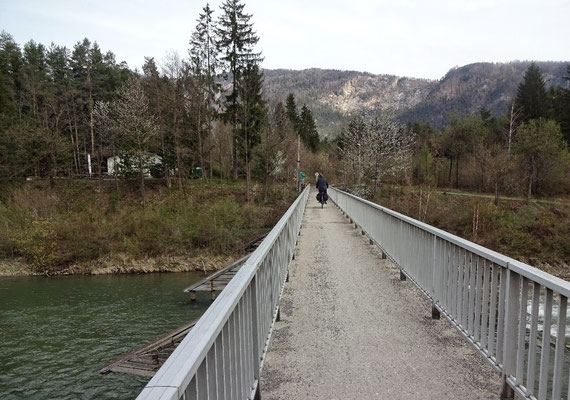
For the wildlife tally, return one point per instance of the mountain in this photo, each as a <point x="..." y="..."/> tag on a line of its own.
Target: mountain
<point x="334" y="95"/>
<point x="467" y="89"/>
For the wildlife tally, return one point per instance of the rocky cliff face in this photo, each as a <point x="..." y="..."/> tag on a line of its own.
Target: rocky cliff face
<point x="334" y="95"/>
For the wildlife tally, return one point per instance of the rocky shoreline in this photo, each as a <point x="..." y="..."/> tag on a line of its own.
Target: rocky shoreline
<point x="121" y="265"/>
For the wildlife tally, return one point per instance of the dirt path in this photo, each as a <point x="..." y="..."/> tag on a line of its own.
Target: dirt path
<point x="351" y="330"/>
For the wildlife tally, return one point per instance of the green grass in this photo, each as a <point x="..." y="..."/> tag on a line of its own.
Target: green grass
<point x="537" y="233"/>
<point x="80" y="221"/>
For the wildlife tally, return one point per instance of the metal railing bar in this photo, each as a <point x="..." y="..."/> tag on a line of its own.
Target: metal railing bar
<point x="532" y="340"/>
<point x="545" y="353"/>
<point x="179" y="369"/>
<point x="559" y="349"/>
<point x="521" y="350"/>
<point x="485" y="305"/>
<point x="556" y="284"/>
<point x="484" y="294"/>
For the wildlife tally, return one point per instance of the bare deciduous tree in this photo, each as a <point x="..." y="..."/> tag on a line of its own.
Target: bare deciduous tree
<point x="136" y="126"/>
<point x="374" y="148"/>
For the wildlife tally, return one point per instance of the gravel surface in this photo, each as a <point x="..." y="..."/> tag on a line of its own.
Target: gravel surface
<point x="350" y="329"/>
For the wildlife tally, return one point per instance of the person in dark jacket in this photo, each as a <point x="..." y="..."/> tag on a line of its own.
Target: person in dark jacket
<point x="322" y="186"/>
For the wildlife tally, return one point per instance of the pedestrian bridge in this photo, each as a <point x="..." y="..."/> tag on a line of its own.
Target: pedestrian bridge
<point x="355" y="301"/>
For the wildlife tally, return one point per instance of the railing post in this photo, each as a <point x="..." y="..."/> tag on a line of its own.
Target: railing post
<point x="255" y="327"/>
<point x="510" y="341"/>
<point x="434" y="311"/>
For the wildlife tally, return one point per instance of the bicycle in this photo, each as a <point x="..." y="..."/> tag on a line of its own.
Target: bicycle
<point x="322" y="198"/>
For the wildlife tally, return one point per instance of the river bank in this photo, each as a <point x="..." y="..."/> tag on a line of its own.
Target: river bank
<point x="122" y="265"/>
<point x="88" y="227"/>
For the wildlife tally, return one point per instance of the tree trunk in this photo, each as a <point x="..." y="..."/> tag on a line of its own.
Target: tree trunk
<point x="211" y="162"/>
<point x="200" y="146"/>
<point x="457" y="173"/>
<point x="496" y="193"/>
<point x="142" y="191"/>
<point x="298" y="168"/>
<point x="91" y="122"/>
<point x="450" y="171"/>
<point x="247" y="169"/>
<point x="530" y="182"/>
<point x="75" y="156"/>
<point x="115" y="174"/>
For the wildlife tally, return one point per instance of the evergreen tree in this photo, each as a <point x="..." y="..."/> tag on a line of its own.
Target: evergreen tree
<point x="540" y="146"/>
<point x="252" y="114"/>
<point x="292" y="113"/>
<point x="236" y="40"/>
<point x="204" y="65"/>
<point x="308" y="129"/>
<point x="274" y="149"/>
<point x="531" y="94"/>
<point x="565" y="108"/>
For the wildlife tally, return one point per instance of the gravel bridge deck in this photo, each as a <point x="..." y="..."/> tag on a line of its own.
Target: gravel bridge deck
<point x="350" y="329"/>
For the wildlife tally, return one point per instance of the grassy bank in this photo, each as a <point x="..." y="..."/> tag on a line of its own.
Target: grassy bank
<point x="537" y="233"/>
<point x="90" y="227"/>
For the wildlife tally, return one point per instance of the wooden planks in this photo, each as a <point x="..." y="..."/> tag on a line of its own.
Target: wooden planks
<point x="216" y="282"/>
<point x="148" y="359"/>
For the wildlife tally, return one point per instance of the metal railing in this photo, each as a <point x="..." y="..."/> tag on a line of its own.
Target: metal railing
<point x="513" y="313"/>
<point x="221" y="358"/>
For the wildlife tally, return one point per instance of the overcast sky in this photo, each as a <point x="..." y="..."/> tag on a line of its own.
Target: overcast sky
<point x="415" y="38"/>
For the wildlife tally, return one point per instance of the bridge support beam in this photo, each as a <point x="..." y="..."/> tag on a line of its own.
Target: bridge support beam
<point x="402" y="275"/>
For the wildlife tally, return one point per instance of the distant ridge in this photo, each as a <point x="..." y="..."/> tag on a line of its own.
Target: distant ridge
<point x="335" y="95"/>
<point x="466" y="89"/>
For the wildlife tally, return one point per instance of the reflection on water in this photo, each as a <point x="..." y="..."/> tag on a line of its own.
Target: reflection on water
<point x="57" y="332"/>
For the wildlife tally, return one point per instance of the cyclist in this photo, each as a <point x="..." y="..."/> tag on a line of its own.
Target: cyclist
<point x="322" y="186"/>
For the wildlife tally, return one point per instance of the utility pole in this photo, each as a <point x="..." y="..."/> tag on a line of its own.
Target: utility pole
<point x="298" y="162"/>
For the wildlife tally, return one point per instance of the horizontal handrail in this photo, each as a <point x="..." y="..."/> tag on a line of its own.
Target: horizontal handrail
<point x="222" y="356"/>
<point x="512" y="312"/>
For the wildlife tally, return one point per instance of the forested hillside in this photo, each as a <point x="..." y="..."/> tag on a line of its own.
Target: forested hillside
<point x="335" y="96"/>
<point x="465" y="90"/>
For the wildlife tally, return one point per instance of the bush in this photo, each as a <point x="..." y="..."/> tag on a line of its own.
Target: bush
<point x="38" y="244"/>
<point x="78" y="222"/>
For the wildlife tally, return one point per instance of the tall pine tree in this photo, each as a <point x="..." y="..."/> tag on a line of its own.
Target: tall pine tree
<point x="292" y="113"/>
<point x="531" y="94"/>
<point x="308" y="129"/>
<point x="236" y="40"/>
<point x="252" y="115"/>
<point x="204" y="65"/>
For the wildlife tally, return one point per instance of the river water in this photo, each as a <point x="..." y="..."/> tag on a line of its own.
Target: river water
<point x="55" y="333"/>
